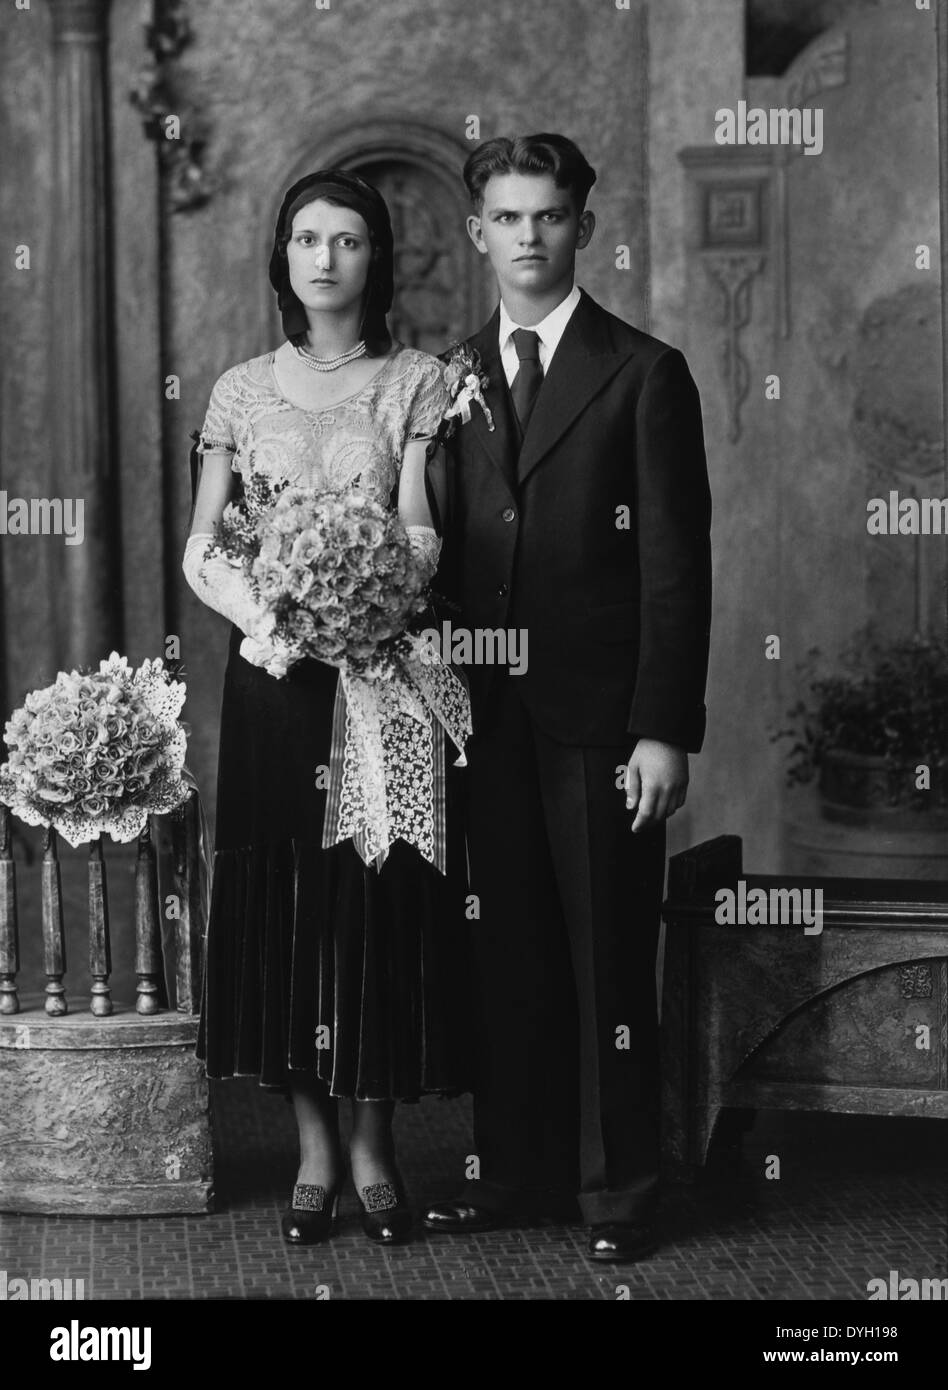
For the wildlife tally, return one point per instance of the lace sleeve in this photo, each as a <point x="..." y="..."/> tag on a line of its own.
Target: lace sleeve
<point x="217" y="430"/>
<point x="426" y="548"/>
<point x="429" y="401"/>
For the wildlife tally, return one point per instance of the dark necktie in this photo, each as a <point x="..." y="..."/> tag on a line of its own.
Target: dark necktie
<point x="529" y="378"/>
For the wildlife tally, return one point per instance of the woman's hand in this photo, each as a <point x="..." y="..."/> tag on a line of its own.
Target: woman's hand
<point x="270" y="653"/>
<point x="219" y="583"/>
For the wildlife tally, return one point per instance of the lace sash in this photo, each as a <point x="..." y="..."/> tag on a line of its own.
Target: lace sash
<point x="386" y="770"/>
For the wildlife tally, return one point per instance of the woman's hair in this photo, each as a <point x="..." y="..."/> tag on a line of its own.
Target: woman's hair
<point x="530" y="154"/>
<point x="345" y="190"/>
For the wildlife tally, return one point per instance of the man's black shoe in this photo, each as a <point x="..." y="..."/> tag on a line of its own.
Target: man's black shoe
<point x="622" y="1240"/>
<point x="456" y="1216"/>
<point x="472" y="1213"/>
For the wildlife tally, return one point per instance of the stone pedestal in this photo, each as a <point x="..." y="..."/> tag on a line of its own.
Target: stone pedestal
<point x="103" y="1117"/>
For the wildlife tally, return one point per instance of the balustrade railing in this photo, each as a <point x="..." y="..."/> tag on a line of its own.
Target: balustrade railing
<point x="188" y="889"/>
<point x="9" y="936"/>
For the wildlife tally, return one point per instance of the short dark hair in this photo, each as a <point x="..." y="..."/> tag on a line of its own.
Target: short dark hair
<point x="530" y="154"/>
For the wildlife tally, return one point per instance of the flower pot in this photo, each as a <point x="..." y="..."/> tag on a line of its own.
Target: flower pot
<point x="872" y="790"/>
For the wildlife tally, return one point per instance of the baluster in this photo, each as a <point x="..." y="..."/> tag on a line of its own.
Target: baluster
<point x="54" y="941"/>
<point x="190" y="891"/>
<point x="9" y="937"/>
<point x="100" y="946"/>
<point x="148" y="959"/>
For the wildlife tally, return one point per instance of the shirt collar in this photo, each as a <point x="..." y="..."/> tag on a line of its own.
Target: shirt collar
<point x="550" y="329"/>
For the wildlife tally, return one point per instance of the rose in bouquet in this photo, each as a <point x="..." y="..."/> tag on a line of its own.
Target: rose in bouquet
<point x="335" y="570"/>
<point x="97" y="753"/>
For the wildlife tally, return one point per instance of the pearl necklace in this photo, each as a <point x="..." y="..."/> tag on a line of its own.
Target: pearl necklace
<point x="328" y="364"/>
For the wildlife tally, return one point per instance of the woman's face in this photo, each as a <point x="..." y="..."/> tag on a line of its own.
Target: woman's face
<point x="329" y="254"/>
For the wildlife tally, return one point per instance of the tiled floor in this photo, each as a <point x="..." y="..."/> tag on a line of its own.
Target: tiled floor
<point x="857" y="1197"/>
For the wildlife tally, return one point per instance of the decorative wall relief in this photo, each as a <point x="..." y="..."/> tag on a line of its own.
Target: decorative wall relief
<point x="179" y="130"/>
<point x="915" y="980"/>
<point x="823" y="66"/>
<point x="776" y="33"/>
<point x="734" y="274"/>
<point x="740" y="206"/>
<point x="733" y="215"/>
<point x="729" y="234"/>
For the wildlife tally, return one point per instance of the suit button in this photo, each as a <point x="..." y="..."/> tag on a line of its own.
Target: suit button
<point x="508" y="514"/>
<point x="501" y="590"/>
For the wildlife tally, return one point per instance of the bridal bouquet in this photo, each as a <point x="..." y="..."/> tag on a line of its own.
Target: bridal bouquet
<point x="97" y="753"/>
<point x="337" y="574"/>
<point x="335" y="570"/>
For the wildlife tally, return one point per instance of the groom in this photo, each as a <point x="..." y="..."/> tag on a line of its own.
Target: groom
<point x="582" y="519"/>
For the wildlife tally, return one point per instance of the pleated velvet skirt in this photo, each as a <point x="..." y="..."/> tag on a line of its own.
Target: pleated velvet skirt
<point x="316" y="965"/>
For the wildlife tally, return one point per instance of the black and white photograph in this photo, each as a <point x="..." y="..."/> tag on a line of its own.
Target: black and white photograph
<point x="474" y="668"/>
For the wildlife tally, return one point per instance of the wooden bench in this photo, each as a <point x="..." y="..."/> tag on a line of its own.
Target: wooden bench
<point x="853" y="1019"/>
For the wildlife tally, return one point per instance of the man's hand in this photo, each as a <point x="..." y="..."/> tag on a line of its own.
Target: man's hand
<point x="656" y="782"/>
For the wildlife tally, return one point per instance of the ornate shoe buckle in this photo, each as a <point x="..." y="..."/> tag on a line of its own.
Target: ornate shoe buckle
<point x="379" y="1196"/>
<point x="308" y="1197"/>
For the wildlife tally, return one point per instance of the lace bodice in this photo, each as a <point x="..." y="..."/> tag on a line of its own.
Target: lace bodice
<point x="359" y="442"/>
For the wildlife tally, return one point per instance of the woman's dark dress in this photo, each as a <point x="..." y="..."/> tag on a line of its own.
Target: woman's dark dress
<point x="316" y="964"/>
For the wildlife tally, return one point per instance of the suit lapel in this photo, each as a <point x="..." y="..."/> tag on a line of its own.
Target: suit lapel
<point x="503" y="441"/>
<point x="584" y="362"/>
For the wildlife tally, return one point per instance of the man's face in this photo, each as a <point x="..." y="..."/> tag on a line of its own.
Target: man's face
<point x="531" y="231"/>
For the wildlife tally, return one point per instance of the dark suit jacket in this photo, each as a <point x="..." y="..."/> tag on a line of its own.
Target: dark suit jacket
<point x="592" y="534"/>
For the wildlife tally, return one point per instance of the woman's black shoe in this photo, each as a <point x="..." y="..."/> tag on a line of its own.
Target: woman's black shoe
<point x="311" y="1214"/>
<point x="386" y="1218"/>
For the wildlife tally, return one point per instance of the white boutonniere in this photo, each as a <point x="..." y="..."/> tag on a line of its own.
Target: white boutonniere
<point x="466" y="382"/>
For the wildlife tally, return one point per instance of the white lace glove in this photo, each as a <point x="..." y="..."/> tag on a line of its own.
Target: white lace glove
<point x="270" y="653"/>
<point x="426" y="548"/>
<point x="223" y="587"/>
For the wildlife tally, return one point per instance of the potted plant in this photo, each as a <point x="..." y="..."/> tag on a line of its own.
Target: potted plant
<point x="867" y="729"/>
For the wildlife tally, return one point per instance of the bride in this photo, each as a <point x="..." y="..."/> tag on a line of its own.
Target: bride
<point x="324" y="977"/>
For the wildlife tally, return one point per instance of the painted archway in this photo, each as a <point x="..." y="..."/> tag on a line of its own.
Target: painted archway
<point x="442" y="288"/>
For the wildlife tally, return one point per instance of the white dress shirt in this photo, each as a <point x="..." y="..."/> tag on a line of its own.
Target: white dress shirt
<point x="548" y="330"/>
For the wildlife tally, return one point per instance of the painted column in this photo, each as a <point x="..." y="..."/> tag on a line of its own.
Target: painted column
<point x="80" y="333"/>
